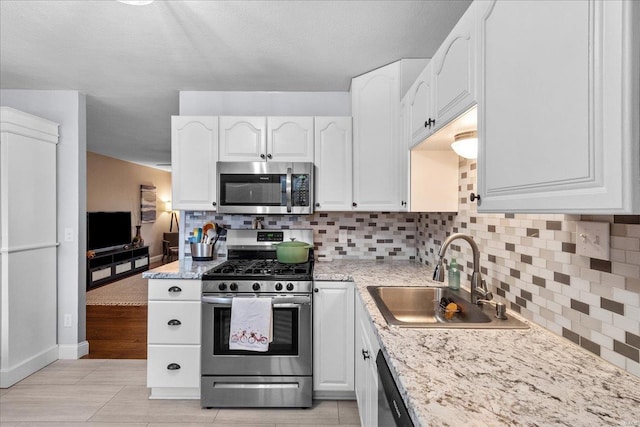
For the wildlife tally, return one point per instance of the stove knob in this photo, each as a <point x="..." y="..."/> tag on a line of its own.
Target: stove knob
<point x="278" y="286"/>
<point x="289" y="286"/>
<point x="233" y="286"/>
<point x="222" y="286"/>
<point x="256" y="286"/>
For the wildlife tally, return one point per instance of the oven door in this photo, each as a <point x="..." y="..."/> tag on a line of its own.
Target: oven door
<point x="289" y="353"/>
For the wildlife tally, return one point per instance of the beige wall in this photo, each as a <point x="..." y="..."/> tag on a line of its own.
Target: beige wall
<point x="114" y="185"/>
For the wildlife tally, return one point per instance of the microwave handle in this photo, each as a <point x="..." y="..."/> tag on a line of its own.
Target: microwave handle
<point x="288" y="190"/>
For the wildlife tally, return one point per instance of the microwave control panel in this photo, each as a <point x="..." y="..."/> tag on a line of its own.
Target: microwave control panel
<point x="301" y="190"/>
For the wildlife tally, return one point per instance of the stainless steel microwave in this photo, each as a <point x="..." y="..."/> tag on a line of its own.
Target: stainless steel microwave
<point x="265" y="187"/>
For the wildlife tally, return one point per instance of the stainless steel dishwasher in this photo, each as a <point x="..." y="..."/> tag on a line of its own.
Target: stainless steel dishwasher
<point x="391" y="408"/>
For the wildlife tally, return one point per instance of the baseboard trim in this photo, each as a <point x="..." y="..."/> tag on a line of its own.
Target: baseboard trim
<point x="334" y="395"/>
<point x="10" y="376"/>
<point x="73" y="351"/>
<point x="157" y="258"/>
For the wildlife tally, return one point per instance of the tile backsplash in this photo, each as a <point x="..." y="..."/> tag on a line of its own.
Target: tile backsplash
<point x="528" y="261"/>
<point x="364" y="235"/>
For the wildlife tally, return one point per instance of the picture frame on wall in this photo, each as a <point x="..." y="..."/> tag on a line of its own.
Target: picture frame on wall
<point x="147" y="204"/>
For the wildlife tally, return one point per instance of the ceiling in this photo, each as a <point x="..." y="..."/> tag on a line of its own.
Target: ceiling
<point x="132" y="61"/>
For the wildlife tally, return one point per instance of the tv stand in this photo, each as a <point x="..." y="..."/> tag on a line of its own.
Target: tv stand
<point x="109" y="266"/>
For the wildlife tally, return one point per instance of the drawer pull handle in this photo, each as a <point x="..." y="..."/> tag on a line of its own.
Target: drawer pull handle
<point x="174" y="322"/>
<point x="173" y="367"/>
<point x="175" y="289"/>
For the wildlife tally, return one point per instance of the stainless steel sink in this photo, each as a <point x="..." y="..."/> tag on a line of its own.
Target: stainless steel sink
<point x="419" y="307"/>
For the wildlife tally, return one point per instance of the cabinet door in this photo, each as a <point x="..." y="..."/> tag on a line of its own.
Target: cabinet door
<point x="194" y="153"/>
<point x="290" y="139"/>
<point x="366" y="372"/>
<point x="420" y="106"/>
<point x="556" y="122"/>
<point x="243" y="139"/>
<point x="333" y="329"/>
<point x="333" y="162"/>
<point x="376" y="140"/>
<point x="454" y="76"/>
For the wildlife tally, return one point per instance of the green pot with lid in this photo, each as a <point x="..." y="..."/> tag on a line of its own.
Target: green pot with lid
<point x="292" y="252"/>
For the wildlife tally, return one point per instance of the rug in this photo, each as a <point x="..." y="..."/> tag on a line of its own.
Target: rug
<point x="128" y="291"/>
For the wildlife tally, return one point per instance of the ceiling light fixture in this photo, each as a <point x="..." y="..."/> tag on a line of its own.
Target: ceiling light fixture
<point x="137" y="2"/>
<point x="466" y="144"/>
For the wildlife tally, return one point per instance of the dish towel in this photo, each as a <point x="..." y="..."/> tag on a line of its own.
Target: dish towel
<point x="251" y="324"/>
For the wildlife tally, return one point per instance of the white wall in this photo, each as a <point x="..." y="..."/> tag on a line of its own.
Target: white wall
<point x="68" y="108"/>
<point x="212" y="103"/>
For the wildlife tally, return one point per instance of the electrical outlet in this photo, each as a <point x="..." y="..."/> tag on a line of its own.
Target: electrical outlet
<point x="68" y="320"/>
<point x="342" y="236"/>
<point x="592" y="240"/>
<point x="68" y="234"/>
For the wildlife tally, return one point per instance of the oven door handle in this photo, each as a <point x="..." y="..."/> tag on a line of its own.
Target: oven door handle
<point x="276" y="302"/>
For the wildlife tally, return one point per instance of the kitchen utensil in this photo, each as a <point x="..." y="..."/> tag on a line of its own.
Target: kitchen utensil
<point x="292" y="252"/>
<point x="208" y="226"/>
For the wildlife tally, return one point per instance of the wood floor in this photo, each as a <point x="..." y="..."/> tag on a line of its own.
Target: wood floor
<point x="117" y="332"/>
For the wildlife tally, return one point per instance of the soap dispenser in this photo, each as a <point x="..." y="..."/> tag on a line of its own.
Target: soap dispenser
<point x="454" y="275"/>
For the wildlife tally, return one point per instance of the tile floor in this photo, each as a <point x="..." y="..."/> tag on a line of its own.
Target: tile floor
<point x="107" y="393"/>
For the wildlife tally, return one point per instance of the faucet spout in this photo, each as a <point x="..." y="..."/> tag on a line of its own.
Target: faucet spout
<point x="478" y="286"/>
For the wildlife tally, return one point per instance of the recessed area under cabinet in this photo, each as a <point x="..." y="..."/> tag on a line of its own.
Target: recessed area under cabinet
<point x="434" y="167"/>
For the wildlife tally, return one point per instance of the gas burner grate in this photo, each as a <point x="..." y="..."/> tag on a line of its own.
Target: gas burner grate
<point x="259" y="268"/>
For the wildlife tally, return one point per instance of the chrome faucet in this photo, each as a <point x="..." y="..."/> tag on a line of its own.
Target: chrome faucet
<point x="479" y="289"/>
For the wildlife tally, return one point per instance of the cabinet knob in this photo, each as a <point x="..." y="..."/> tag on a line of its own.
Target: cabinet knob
<point x="473" y="197"/>
<point x="173" y="366"/>
<point x="429" y="123"/>
<point x="269" y="156"/>
<point x="262" y="156"/>
<point x="403" y="203"/>
<point x="174" y="322"/>
<point x="175" y="289"/>
<point x="365" y="354"/>
<point x="354" y="204"/>
<point x="316" y="290"/>
<point x="317" y="205"/>
<point x="214" y="204"/>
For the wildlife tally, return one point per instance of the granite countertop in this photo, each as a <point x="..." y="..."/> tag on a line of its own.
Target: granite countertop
<point x="490" y="377"/>
<point x="183" y="269"/>
<point x="478" y="377"/>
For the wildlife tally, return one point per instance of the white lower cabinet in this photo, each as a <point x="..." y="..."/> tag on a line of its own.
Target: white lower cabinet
<point x="366" y="371"/>
<point x="173" y="339"/>
<point x="333" y="320"/>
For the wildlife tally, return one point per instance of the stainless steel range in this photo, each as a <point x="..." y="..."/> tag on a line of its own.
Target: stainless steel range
<point x="281" y="376"/>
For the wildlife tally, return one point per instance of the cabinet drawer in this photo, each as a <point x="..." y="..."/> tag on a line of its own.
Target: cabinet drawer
<point x="184" y="318"/>
<point x="141" y="262"/>
<point x="100" y="274"/>
<point x="175" y="290"/>
<point x="184" y="359"/>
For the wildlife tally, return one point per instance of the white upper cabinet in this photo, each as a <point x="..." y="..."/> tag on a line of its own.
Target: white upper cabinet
<point x="558" y="112"/>
<point x="419" y="102"/>
<point x="333" y="162"/>
<point x="454" y="76"/>
<point x="290" y="139"/>
<point x="243" y="139"/>
<point x="377" y="175"/>
<point x="254" y="139"/>
<point x="194" y="153"/>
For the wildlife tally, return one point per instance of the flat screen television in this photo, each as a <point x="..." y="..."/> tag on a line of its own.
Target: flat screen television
<point x="108" y="229"/>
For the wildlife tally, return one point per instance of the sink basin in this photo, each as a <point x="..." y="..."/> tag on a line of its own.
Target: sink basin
<point x="419" y="307"/>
